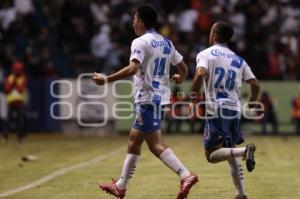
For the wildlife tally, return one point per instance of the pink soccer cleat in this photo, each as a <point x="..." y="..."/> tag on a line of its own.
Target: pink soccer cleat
<point x="186" y="185"/>
<point x="112" y="189"/>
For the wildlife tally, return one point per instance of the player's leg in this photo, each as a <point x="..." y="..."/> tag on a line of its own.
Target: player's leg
<point x="236" y="170"/>
<point x="118" y="188"/>
<point x="220" y="132"/>
<point x="133" y="155"/>
<point x="148" y="121"/>
<point x="219" y="153"/>
<point x="235" y="167"/>
<point x="167" y="156"/>
<point x="215" y="135"/>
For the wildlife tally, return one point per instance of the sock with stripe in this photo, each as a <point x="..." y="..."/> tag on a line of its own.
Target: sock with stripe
<point x="223" y="154"/>
<point x="129" y="166"/>
<point x="237" y="175"/>
<point x="169" y="158"/>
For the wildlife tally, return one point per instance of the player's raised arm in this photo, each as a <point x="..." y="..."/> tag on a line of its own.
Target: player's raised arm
<point x="127" y="71"/>
<point x="182" y="73"/>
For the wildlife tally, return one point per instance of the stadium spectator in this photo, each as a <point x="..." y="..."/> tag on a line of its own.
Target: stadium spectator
<point x="15" y="88"/>
<point x="296" y="113"/>
<point x="267" y="31"/>
<point x="186" y="22"/>
<point x="100" y="11"/>
<point x="8" y="15"/>
<point x="270" y="116"/>
<point x="24" y="7"/>
<point x="101" y="47"/>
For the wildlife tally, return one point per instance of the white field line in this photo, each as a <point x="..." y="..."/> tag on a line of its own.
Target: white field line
<point x="60" y="172"/>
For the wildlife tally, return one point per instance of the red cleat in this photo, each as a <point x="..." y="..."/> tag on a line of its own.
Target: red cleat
<point x="112" y="189"/>
<point x="186" y="185"/>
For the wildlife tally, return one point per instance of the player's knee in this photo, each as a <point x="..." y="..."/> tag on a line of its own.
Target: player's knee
<point x="134" y="148"/>
<point x="134" y="144"/>
<point x="135" y="141"/>
<point x="209" y="159"/>
<point x="156" y="149"/>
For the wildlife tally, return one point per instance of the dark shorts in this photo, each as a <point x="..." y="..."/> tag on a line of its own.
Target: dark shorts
<point x="224" y="128"/>
<point x="147" y="117"/>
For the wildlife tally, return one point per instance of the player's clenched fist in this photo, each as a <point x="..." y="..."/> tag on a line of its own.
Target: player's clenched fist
<point x="177" y="78"/>
<point x="99" y="79"/>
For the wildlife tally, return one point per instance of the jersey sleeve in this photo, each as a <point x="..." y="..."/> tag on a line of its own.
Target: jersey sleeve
<point x="176" y="57"/>
<point x="247" y="73"/>
<point x="202" y="60"/>
<point x="137" y="50"/>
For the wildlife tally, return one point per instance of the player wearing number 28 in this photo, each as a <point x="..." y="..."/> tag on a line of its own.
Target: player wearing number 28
<point x="149" y="64"/>
<point x="221" y="73"/>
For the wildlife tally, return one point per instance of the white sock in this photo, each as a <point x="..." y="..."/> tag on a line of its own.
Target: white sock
<point x="237" y="175"/>
<point x="170" y="159"/>
<point x="129" y="166"/>
<point x="226" y="153"/>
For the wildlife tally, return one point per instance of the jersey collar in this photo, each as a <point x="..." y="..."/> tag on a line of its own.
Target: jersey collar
<point x="221" y="44"/>
<point x="153" y="31"/>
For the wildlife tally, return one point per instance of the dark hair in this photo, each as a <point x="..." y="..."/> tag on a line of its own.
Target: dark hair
<point x="148" y="15"/>
<point x="224" y="32"/>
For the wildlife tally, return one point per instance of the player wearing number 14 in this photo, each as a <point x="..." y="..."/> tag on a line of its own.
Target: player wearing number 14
<point x="149" y="64"/>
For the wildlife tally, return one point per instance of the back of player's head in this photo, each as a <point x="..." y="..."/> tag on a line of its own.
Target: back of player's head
<point x="224" y="32"/>
<point x="148" y="15"/>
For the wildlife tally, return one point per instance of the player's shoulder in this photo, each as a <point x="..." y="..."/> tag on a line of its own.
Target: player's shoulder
<point x="139" y="41"/>
<point x="156" y="39"/>
<point x="205" y="52"/>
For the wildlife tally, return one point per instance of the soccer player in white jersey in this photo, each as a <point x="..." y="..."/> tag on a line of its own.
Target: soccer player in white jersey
<point x="221" y="73"/>
<point x="149" y="64"/>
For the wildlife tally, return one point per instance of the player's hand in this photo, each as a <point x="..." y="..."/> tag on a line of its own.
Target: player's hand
<point x="99" y="79"/>
<point x="177" y="79"/>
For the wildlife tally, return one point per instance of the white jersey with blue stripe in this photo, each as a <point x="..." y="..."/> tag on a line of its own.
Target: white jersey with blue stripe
<point x="155" y="54"/>
<point x="225" y="73"/>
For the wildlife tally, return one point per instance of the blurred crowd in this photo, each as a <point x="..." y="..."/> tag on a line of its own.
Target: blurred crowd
<point x="63" y="38"/>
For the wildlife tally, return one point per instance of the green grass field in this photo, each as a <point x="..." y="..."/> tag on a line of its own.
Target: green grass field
<point x="276" y="176"/>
